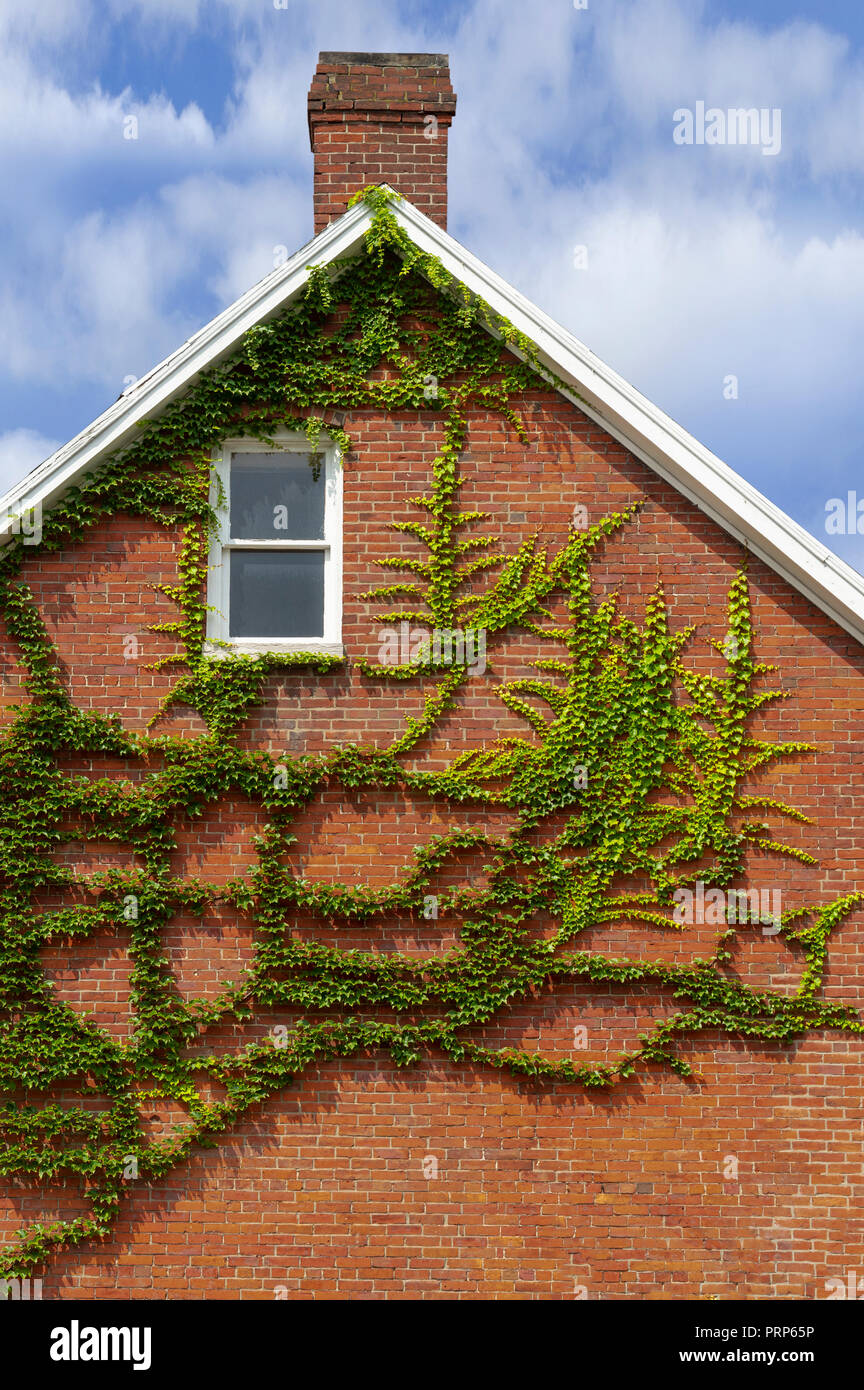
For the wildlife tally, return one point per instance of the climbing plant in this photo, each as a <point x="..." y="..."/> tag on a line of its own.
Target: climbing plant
<point x="631" y="768"/>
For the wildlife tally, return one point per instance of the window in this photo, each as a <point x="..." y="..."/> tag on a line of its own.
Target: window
<point x="276" y="566"/>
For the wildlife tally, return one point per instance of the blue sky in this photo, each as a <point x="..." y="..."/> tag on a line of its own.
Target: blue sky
<point x="701" y="262"/>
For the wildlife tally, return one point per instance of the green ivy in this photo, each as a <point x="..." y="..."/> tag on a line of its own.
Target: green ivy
<point x="639" y="758"/>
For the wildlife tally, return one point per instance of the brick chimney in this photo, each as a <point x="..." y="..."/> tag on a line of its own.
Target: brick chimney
<point x="380" y="118"/>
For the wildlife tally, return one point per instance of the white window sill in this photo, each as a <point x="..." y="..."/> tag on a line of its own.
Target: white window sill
<point x="254" y="646"/>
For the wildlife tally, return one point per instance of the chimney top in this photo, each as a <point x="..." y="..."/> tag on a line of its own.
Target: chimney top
<point x="386" y="60"/>
<point x="380" y="118"/>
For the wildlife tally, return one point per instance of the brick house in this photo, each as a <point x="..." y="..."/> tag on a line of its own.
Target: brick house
<point x="348" y="951"/>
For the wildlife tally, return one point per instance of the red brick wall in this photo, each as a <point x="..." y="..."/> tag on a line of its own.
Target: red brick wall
<point x="541" y="1190"/>
<point x="380" y="118"/>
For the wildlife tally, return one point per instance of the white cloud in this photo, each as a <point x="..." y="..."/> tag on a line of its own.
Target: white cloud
<point x="105" y="293"/>
<point x="43" y="126"/>
<point x="115" y="304"/>
<point x="662" y="54"/>
<point x="20" y="452"/>
<point x="677" y="302"/>
<point x="52" y="21"/>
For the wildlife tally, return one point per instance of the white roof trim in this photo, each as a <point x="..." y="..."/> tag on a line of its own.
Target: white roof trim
<point x="607" y="398"/>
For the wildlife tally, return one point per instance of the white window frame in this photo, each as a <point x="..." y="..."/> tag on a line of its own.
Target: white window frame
<point x="218" y="642"/>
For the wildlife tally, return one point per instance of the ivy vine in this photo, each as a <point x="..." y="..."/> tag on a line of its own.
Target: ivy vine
<point x="665" y="750"/>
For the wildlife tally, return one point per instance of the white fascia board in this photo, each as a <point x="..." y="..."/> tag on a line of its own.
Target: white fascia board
<point x="658" y="440"/>
<point x="118" y="425"/>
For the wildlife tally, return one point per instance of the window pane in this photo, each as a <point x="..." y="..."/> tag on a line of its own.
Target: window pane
<point x="277" y="593"/>
<point x="276" y="497"/>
